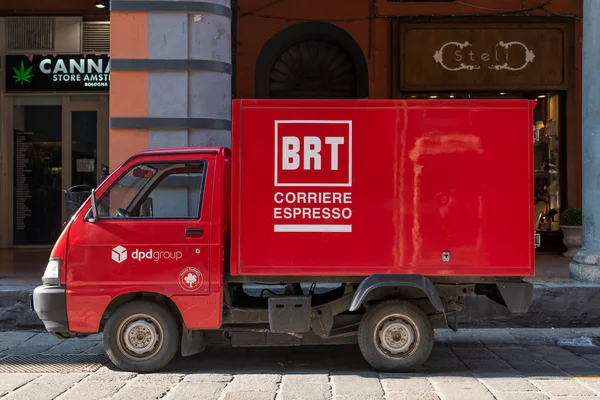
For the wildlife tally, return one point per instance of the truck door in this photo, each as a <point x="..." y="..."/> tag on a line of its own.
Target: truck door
<point x="151" y="234"/>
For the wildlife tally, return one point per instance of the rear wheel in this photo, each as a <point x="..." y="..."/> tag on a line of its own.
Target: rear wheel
<point x="395" y="335"/>
<point x="141" y="336"/>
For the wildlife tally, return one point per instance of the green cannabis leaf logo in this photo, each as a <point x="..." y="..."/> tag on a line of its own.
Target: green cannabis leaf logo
<point x="22" y="75"/>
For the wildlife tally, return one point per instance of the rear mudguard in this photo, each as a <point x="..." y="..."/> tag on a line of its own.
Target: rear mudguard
<point x="389" y="280"/>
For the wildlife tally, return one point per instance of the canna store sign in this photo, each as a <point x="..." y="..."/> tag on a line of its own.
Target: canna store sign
<point x="57" y="73"/>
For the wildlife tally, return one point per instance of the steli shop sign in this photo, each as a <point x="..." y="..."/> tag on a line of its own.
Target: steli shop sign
<point x="482" y="57"/>
<point x="57" y="73"/>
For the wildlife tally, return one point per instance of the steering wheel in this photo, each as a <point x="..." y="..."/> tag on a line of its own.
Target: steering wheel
<point x="122" y="213"/>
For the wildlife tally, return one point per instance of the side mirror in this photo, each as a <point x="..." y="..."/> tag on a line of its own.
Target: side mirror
<point x="94" y="209"/>
<point x="146" y="208"/>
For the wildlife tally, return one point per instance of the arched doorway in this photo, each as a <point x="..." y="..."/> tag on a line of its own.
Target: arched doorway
<point x="311" y="60"/>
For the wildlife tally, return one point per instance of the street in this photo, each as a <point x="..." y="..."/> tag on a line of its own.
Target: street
<point x="513" y="364"/>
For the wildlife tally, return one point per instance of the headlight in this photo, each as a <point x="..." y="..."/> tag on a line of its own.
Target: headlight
<point x="52" y="273"/>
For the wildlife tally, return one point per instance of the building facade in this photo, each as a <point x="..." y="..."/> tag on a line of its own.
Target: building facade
<point x="175" y="66"/>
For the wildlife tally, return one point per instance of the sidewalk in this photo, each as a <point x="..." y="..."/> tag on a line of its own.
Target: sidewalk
<point x="558" y="301"/>
<point x="503" y="364"/>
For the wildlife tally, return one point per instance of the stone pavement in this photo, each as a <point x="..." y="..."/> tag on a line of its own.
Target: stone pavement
<point x="518" y="364"/>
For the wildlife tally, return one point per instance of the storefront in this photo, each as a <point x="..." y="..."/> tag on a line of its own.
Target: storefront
<point x="493" y="60"/>
<point x="55" y="136"/>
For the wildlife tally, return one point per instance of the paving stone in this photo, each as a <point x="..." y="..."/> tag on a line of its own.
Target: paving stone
<point x="444" y="365"/>
<point x="440" y="351"/>
<point x="466" y="353"/>
<point x="255" y="383"/>
<point x="582" y="350"/>
<point x="10" y="382"/>
<point x="249" y="396"/>
<point x="509" y="385"/>
<point x="452" y="377"/>
<point x="365" y="384"/>
<point x="13" y="338"/>
<point x="71" y="346"/>
<point x="96" y="337"/>
<point x="311" y="391"/>
<point x="411" y="396"/>
<point x="405" y="384"/>
<point x="490" y="368"/>
<point x="47" y="386"/>
<point x="207" y="377"/>
<point x="549" y="351"/>
<point x="358" y="397"/>
<point x="562" y="388"/>
<point x="305" y="379"/>
<point x="196" y="390"/>
<point x="107" y="374"/>
<point x="591" y="383"/>
<point x="595" y="358"/>
<point x="141" y="393"/>
<point x="463" y="390"/>
<point x="43" y="339"/>
<point x="523" y="396"/>
<point x="538" y="369"/>
<point x="93" y="390"/>
<point x="156" y="379"/>
<point x="514" y="353"/>
<point x="97" y="349"/>
<point x="25" y="350"/>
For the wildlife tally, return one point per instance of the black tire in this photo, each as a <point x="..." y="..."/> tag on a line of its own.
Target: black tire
<point x="155" y="318"/>
<point x="402" y="319"/>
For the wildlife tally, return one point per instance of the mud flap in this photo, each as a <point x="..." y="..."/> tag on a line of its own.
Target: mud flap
<point x="516" y="296"/>
<point x="192" y="342"/>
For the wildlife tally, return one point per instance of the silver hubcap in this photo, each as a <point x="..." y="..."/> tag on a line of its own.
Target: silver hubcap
<point x="140" y="337"/>
<point x="397" y="336"/>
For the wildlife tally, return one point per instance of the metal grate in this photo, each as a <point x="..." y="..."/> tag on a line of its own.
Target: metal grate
<point x="95" y="37"/>
<point x="30" y="33"/>
<point x="53" y="363"/>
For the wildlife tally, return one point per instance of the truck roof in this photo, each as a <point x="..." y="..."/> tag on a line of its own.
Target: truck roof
<point x="181" y="150"/>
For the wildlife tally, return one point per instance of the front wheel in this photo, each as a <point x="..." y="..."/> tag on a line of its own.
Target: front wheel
<point x="395" y="335"/>
<point x="141" y="336"/>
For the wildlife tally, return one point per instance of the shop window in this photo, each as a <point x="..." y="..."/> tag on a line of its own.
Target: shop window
<point x="547" y="163"/>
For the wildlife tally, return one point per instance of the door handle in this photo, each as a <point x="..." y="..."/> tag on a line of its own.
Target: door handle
<point x="194" y="231"/>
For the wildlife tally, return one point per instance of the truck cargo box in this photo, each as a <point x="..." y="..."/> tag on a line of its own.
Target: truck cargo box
<point x="361" y="187"/>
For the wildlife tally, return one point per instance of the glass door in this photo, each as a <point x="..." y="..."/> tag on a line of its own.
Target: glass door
<point x="37" y="172"/>
<point x="85" y="151"/>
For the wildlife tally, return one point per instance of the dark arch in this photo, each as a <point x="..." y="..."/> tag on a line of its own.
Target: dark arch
<point x="305" y="31"/>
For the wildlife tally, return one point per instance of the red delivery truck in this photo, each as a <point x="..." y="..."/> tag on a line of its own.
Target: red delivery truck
<point x="327" y="222"/>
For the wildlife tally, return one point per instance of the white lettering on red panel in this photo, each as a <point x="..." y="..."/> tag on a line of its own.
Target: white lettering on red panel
<point x="315" y="155"/>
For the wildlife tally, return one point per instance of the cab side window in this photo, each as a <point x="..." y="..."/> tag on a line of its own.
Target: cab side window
<point x="156" y="190"/>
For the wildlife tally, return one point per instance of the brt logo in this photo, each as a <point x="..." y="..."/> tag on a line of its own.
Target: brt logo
<point x="313" y="153"/>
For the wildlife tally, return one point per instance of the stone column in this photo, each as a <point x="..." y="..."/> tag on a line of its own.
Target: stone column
<point x="179" y="55"/>
<point x="586" y="263"/>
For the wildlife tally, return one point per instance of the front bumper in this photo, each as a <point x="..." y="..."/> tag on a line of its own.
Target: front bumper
<point x="50" y="305"/>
